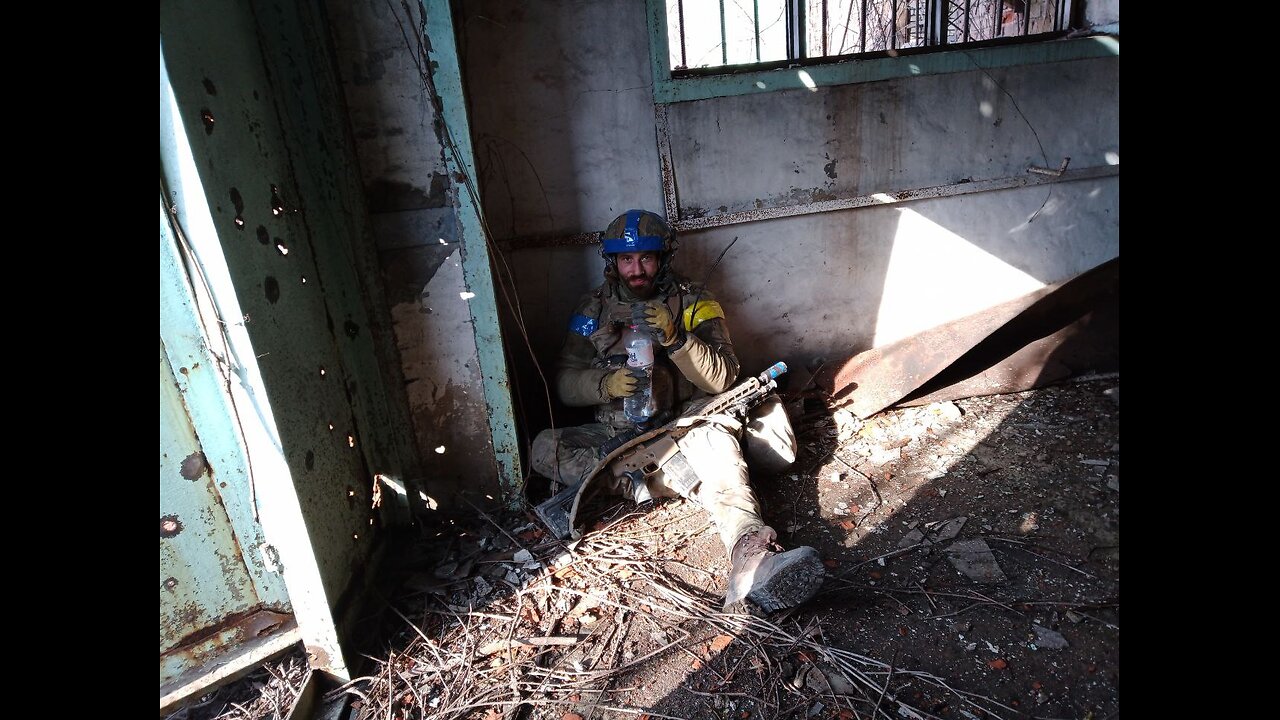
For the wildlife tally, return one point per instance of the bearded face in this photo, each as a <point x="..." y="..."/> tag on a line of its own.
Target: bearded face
<point x="639" y="272"/>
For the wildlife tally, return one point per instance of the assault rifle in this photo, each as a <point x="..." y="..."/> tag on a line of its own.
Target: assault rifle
<point x="641" y="453"/>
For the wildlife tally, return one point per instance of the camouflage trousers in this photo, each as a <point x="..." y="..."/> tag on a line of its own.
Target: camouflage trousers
<point x="713" y="450"/>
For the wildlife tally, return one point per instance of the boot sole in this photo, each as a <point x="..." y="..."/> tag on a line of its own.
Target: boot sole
<point x="794" y="581"/>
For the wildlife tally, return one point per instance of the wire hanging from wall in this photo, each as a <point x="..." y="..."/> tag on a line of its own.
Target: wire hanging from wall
<point x="1025" y="119"/>
<point x="227" y="361"/>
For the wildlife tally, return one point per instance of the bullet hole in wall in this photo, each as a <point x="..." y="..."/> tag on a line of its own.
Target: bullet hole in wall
<point x="277" y="204"/>
<point x="272" y="289"/>
<point x="206" y="117"/>
<point x="238" y="203"/>
<point x="194" y="465"/>
<point x="170" y="526"/>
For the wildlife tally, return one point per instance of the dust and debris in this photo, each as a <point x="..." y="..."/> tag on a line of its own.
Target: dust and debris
<point x="627" y="620"/>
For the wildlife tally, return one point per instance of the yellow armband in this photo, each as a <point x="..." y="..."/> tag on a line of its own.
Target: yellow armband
<point x="700" y="312"/>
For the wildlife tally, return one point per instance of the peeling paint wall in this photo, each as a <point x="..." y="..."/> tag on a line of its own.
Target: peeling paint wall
<point x="563" y="161"/>
<point x="408" y="192"/>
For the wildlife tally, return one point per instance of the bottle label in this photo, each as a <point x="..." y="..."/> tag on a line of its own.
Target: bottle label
<point x="640" y="355"/>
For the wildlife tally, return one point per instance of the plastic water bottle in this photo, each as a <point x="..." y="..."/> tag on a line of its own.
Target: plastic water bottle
<point x="640" y="405"/>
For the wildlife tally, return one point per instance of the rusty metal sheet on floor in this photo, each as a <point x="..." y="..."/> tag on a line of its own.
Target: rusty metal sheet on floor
<point x="1056" y="332"/>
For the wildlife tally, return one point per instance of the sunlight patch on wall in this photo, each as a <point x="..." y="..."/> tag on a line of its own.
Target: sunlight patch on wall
<point x="935" y="276"/>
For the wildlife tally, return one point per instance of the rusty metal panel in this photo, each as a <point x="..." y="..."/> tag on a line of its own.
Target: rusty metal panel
<point x="204" y="578"/>
<point x="1042" y="337"/>
<point x="223" y="604"/>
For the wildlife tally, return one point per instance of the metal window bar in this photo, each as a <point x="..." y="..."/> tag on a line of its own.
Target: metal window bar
<point x="755" y="19"/>
<point x="893" y="25"/>
<point x="824" y="28"/>
<point x="724" y="38"/>
<point x="862" y="28"/>
<point x="684" y="58"/>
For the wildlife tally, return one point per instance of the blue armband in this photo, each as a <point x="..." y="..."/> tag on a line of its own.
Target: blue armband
<point x="582" y="325"/>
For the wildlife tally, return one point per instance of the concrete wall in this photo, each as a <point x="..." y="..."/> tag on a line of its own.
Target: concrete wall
<point x="562" y="113"/>
<point x="408" y="192"/>
<point x="1102" y="12"/>
<point x="860" y="278"/>
<point x="562" y="105"/>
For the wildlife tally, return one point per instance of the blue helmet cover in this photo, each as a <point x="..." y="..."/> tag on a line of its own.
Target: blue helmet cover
<point x="632" y="240"/>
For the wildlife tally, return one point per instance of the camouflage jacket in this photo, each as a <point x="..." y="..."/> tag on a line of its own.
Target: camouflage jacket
<point x="704" y="365"/>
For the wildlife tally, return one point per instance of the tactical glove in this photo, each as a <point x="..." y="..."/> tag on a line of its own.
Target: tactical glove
<point x="625" y="382"/>
<point x="658" y="320"/>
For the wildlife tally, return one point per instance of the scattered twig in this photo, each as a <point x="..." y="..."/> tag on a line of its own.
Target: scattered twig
<point x="872" y="483"/>
<point x="928" y="597"/>
<point x="885" y="688"/>
<point x="1024" y="547"/>
<point x="497" y="647"/>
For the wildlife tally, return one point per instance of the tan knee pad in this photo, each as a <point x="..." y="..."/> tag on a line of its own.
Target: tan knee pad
<point x="771" y="443"/>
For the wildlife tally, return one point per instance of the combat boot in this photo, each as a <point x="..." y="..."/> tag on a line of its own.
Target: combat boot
<point x="772" y="580"/>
